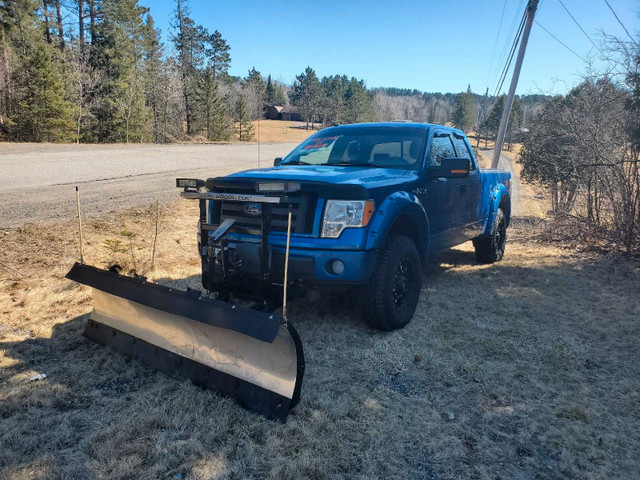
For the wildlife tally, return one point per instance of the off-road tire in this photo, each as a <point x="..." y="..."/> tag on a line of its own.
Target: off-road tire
<point x="391" y="297"/>
<point x="490" y="248"/>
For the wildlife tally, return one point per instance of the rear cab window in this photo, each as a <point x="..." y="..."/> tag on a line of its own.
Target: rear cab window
<point x="441" y="147"/>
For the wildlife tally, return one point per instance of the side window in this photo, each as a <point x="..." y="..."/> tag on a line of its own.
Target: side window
<point x="441" y="147"/>
<point x="463" y="151"/>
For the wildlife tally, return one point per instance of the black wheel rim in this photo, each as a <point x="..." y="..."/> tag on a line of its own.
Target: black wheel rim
<point x="403" y="278"/>
<point x="501" y="235"/>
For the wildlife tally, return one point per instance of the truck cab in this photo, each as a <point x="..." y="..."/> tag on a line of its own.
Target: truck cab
<point x="369" y="203"/>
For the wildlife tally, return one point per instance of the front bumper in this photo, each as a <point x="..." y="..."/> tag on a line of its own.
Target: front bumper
<point x="306" y="266"/>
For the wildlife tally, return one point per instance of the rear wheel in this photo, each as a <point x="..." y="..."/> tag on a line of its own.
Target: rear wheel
<point x="490" y="248"/>
<point x="391" y="297"/>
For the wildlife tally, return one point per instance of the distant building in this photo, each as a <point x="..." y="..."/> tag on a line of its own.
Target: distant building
<point x="278" y="112"/>
<point x="274" y="112"/>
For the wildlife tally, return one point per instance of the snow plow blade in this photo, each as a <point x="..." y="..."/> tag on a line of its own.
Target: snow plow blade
<point x="242" y="353"/>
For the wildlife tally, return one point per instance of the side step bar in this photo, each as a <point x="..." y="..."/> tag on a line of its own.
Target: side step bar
<point x="242" y="353"/>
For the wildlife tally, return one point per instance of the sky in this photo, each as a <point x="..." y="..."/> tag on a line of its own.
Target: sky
<point x="428" y="45"/>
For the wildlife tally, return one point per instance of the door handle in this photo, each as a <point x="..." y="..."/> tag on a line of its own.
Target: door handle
<point x="463" y="189"/>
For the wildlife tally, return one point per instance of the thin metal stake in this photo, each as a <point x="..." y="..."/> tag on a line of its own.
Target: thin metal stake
<point x="258" y="135"/>
<point x="286" y="268"/>
<point x="79" y="224"/>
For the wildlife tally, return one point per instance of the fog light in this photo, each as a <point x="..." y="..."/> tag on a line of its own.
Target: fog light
<point x="337" y="267"/>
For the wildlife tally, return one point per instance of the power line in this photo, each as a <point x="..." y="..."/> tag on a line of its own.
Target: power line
<point x="505" y="49"/>
<point x="618" y="19"/>
<point x="514" y="45"/>
<point x="493" y="54"/>
<point x="560" y="41"/>
<point x="579" y="26"/>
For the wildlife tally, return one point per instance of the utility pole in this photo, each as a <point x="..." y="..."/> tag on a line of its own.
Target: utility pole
<point x="531" y="11"/>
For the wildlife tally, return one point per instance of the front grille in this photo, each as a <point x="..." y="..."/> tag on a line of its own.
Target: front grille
<point x="302" y="212"/>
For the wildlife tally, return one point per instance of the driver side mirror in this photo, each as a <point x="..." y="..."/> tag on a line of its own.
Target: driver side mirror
<point x="451" y="168"/>
<point x="277" y="161"/>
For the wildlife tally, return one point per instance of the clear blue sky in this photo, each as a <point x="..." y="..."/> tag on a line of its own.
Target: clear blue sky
<point x="433" y="46"/>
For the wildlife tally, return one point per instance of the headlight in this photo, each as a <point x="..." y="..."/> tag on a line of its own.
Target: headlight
<point x="341" y="214"/>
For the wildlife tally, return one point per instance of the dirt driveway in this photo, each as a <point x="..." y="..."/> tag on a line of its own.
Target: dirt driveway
<point x="38" y="181"/>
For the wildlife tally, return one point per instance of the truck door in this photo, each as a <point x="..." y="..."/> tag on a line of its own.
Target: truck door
<point x="445" y="207"/>
<point x="471" y="191"/>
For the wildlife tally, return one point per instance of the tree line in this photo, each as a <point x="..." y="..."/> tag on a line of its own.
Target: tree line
<point x="98" y="71"/>
<point x="583" y="150"/>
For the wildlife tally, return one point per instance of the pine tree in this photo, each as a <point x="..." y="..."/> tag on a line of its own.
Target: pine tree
<point x="44" y="115"/>
<point x="280" y="98"/>
<point x="217" y="53"/>
<point x="217" y="125"/>
<point x="515" y="122"/>
<point x="117" y="52"/>
<point x="333" y="104"/>
<point x="359" y="102"/>
<point x="34" y="106"/>
<point x="464" y="114"/>
<point x="153" y="75"/>
<point x="256" y="89"/>
<point x="274" y="93"/>
<point x="491" y="125"/>
<point x="190" y="43"/>
<point x="243" y="125"/>
<point x="270" y="92"/>
<point x="307" y="94"/>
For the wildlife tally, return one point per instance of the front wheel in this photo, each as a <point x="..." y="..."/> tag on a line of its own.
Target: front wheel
<point x="490" y="248"/>
<point x="391" y="297"/>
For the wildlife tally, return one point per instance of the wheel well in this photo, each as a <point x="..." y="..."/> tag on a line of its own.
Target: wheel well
<point x="505" y="205"/>
<point x="409" y="226"/>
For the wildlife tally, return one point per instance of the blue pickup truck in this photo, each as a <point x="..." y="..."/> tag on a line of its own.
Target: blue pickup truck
<point x="369" y="204"/>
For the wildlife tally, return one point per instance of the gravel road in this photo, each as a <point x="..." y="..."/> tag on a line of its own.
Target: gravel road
<point x="38" y="181"/>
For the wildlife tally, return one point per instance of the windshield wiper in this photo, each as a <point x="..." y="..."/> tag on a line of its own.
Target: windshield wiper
<point x="352" y="164"/>
<point x="298" y="162"/>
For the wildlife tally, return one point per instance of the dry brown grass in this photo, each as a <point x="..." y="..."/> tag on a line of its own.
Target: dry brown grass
<point x="536" y="358"/>
<point x="280" y="131"/>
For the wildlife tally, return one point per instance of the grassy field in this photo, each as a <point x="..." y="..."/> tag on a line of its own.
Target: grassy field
<point x="524" y="369"/>
<point x="280" y="131"/>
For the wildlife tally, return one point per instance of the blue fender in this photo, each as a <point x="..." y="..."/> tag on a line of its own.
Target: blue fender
<point x="498" y="195"/>
<point x="404" y="211"/>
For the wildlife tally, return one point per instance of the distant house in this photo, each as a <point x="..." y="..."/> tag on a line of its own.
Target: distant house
<point x="278" y="112"/>
<point x="274" y="112"/>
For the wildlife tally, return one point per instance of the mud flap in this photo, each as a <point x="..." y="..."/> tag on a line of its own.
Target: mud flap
<point x="242" y="353"/>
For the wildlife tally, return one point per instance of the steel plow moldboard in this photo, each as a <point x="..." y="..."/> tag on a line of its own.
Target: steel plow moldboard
<point x="246" y="354"/>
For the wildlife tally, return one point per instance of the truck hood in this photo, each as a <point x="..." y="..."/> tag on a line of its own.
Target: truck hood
<point x="366" y="177"/>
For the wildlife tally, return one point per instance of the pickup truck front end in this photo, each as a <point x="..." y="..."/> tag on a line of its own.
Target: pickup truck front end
<point x="328" y="245"/>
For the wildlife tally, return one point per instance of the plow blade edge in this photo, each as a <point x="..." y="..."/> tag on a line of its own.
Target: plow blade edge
<point x="239" y="352"/>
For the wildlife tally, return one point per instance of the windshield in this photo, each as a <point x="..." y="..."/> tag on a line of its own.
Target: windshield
<point x="383" y="147"/>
